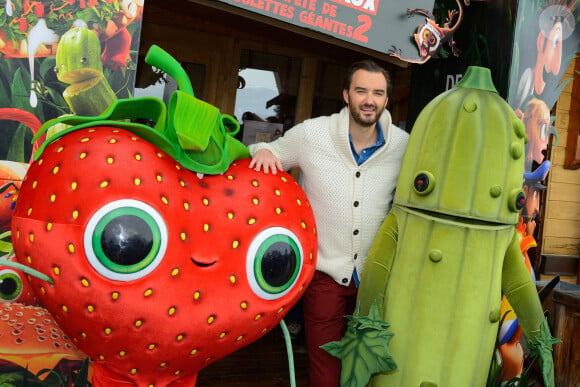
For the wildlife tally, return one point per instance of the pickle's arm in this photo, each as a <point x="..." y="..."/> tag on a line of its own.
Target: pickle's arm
<point x="520" y="290"/>
<point x="378" y="266"/>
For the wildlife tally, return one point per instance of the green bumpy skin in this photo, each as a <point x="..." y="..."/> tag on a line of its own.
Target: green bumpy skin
<point x="78" y="63"/>
<point x="448" y="249"/>
<point x="78" y="56"/>
<point x="470" y="145"/>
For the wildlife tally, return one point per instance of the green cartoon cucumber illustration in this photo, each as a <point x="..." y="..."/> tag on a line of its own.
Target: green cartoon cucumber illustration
<point x="78" y="63"/>
<point x="448" y="250"/>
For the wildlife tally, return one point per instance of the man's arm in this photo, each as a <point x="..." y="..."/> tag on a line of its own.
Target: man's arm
<point x="280" y="154"/>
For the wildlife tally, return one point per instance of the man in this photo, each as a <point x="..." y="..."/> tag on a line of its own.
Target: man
<point x="350" y="164"/>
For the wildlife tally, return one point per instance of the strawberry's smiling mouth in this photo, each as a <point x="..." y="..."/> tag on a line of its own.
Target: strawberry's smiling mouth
<point x="202" y="264"/>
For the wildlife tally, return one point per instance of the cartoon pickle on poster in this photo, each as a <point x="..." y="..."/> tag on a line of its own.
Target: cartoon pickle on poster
<point x="66" y="57"/>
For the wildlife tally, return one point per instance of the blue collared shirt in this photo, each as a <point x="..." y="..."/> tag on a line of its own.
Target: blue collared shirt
<point x="364" y="156"/>
<point x="368" y="151"/>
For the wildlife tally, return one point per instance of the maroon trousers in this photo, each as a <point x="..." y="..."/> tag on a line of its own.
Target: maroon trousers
<point x="325" y="304"/>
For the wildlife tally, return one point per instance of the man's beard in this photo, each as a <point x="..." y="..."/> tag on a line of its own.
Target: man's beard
<point x="365" y="121"/>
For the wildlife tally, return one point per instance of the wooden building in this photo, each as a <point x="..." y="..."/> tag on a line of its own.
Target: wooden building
<point x="560" y="243"/>
<point x="214" y="42"/>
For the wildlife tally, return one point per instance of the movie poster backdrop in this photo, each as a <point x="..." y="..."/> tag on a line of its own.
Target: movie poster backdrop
<point x="101" y="33"/>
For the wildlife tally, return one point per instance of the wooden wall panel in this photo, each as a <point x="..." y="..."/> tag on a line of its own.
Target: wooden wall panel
<point x="561" y="233"/>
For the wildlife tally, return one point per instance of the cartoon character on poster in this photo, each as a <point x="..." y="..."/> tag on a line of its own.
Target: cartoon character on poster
<point x="48" y="68"/>
<point x="545" y="41"/>
<point x="533" y="187"/>
<point x="539" y="128"/>
<point x="543" y="47"/>
<point x="538" y="68"/>
<point x="430" y="37"/>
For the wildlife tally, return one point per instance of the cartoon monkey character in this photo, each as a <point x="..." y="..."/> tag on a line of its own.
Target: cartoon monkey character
<point x="430" y="37"/>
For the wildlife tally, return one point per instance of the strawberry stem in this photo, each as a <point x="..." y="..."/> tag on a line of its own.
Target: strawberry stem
<point x="28" y="270"/>
<point x="158" y="57"/>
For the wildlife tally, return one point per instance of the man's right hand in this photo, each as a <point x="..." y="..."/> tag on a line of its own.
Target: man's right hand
<point x="265" y="160"/>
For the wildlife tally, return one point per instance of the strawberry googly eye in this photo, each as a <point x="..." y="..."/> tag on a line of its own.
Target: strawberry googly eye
<point x="10" y="285"/>
<point x="125" y="240"/>
<point x="274" y="263"/>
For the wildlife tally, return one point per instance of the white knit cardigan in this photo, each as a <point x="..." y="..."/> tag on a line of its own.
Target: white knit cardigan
<point x="349" y="201"/>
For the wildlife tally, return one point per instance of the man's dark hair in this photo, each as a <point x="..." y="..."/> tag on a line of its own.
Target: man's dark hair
<point x="370" y="66"/>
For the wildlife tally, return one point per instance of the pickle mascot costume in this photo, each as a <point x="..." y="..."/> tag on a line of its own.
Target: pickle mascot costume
<point x="429" y="301"/>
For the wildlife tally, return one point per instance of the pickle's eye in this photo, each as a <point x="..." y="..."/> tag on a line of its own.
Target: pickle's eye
<point x="424" y="183"/>
<point x="517" y="200"/>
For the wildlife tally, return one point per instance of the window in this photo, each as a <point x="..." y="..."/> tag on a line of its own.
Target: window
<point x="152" y="82"/>
<point x="328" y="89"/>
<point x="267" y="89"/>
